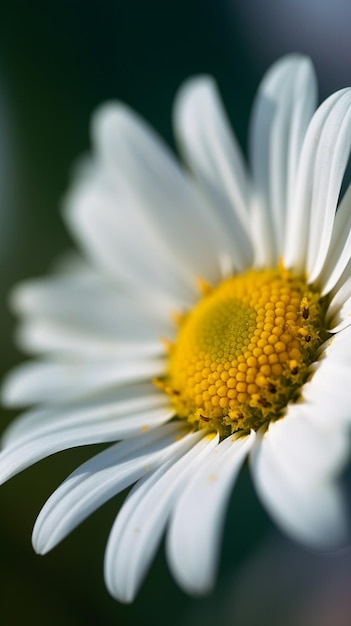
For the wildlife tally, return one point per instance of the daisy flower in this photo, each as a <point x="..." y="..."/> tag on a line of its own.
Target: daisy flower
<point x="207" y="322"/>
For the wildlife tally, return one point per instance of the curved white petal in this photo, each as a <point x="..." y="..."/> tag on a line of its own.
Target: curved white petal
<point x="307" y="504"/>
<point x="157" y="191"/>
<point x="342" y="319"/>
<point x="321" y="169"/>
<point x="57" y="382"/>
<point x="110" y="404"/>
<point x="119" y="239"/>
<point x="140" y="524"/>
<point x="101" y="478"/>
<point x="125" y="418"/>
<point x="44" y="337"/>
<point x="328" y="390"/>
<point x="339" y="309"/>
<point x="17" y="457"/>
<point x="337" y="348"/>
<point x="83" y="315"/>
<point x="88" y="304"/>
<point x="340" y="246"/>
<point x="284" y="105"/>
<point x="213" y="155"/>
<point x="194" y="536"/>
<point x="331" y="159"/>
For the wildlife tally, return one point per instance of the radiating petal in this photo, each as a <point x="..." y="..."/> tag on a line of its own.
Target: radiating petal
<point x="328" y="389"/>
<point x="56" y="382"/>
<point x="321" y="169"/>
<point x="338" y="314"/>
<point x="282" y="110"/>
<point x="121" y="242"/>
<point x="330" y="163"/>
<point x="41" y="336"/>
<point x="157" y="190"/>
<point x="88" y="302"/>
<point x="113" y="403"/>
<point x="213" y="155"/>
<point x="140" y="524"/>
<point x="309" y="507"/>
<point x="101" y="478"/>
<point x="340" y="246"/>
<point x="125" y="411"/>
<point x="17" y="457"/>
<point x="195" y="533"/>
<point x="83" y="314"/>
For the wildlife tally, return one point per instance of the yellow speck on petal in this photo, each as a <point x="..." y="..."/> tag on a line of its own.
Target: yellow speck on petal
<point x="212" y="478"/>
<point x="144" y="427"/>
<point x="243" y="352"/>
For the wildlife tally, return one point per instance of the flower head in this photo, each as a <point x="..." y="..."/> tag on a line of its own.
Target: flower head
<point x="207" y="322"/>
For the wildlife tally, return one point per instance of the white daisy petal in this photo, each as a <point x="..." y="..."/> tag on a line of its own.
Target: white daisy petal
<point x="340" y="246"/>
<point x="330" y="162"/>
<point x="339" y="308"/>
<point x="281" y="113"/>
<point x="309" y="508"/>
<point x="299" y="217"/>
<point x="321" y="169"/>
<point x="30" y="450"/>
<point x="306" y="441"/>
<point x="114" y="403"/>
<point x="48" y="381"/>
<point x="214" y="156"/>
<point x="39" y="336"/>
<point x="101" y="478"/>
<point x="328" y="390"/>
<point x="87" y="303"/>
<point x="83" y="315"/>
<point x="102" y="218"/>
<point x="153" y="182"/>
<point x="337" y="347"/>
<point x="139" y="526"/>
<point x="194" y="537"/>
<point x="135" y="409"/>
<point x="342" y="319"/>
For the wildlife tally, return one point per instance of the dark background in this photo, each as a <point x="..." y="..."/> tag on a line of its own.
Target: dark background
<point x="58" y="61"/>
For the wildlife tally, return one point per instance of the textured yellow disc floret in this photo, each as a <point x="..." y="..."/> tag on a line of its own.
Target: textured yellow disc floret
<point x="244" y="351"/>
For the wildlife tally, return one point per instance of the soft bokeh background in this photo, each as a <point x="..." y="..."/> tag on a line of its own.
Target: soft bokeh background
<point x="58" y="61"/>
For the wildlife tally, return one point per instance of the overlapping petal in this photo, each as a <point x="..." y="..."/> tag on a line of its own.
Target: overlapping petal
<point x="61" y="381"/>
<point x="140" y="524"/>
<point x="213" y="155"/>
<point x="158" y="191"/>
<point x="309" y="508"/>
<point x="83" y="314"/>
<point x="284" y="105"/>
<point x="320" y="174"/>
<point x="196" y="527"/>
<point x="102" y="477"/>
<point x="126" y="411"/>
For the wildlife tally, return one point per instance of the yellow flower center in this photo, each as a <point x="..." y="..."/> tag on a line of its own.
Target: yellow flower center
<point x="244" y="351"/>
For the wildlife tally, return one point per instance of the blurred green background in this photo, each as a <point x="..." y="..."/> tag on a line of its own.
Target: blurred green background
<point x="58" y="61"/>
